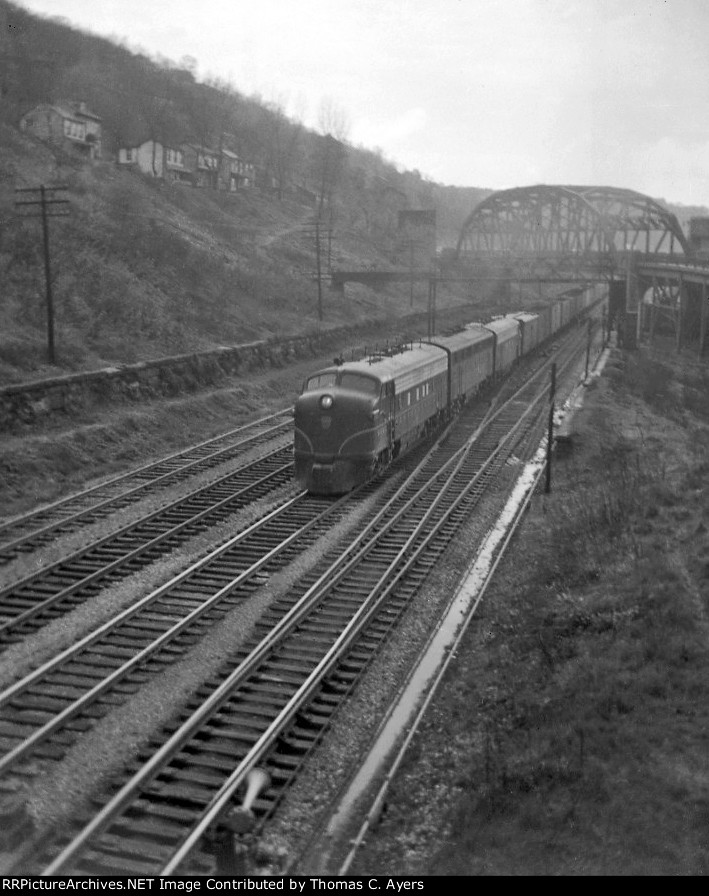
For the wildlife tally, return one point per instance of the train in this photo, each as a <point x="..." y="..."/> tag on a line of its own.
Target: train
<point x="354" y="418"/>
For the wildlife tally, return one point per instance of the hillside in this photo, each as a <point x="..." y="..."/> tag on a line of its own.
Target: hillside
<point x="144" y="268"/>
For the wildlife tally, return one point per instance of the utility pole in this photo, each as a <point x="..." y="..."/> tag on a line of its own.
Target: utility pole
<point x="45" y="202"/>
<point x="431" y="307"/>
<point x="680" y="313"/>
<point x="319" y="274"/>
<point x="550" y="428"/>
<point x="314" y="228"/>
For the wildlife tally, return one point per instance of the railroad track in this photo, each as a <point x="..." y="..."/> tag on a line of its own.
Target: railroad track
<point x="158" y="630"/>
<point x="32" y="602"/>
<point x="32" y="530"/>
<point x="272" y="702"/>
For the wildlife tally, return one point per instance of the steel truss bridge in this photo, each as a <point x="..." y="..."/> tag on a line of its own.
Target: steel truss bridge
<point x="590" y="234"/>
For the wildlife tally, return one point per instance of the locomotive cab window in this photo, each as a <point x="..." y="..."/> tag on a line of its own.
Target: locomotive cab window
<point x="320" y="381"/>
<point x="359" y="383"/>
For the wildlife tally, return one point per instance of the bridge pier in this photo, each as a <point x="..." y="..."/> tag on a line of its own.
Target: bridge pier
<point x="680" y="299"/>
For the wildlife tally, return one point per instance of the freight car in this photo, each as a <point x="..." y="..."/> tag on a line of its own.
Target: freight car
<point x="353" y="418"/>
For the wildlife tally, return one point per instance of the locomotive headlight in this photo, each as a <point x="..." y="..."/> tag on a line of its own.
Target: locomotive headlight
<point x="326" y="402"/>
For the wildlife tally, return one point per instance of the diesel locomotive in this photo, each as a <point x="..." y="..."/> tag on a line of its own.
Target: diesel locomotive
<point x="353" y="418"/>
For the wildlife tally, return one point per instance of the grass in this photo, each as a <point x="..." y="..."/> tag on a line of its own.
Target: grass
<point x="575" y="732"/>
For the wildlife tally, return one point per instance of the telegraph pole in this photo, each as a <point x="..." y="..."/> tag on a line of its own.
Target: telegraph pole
<point x="588" y="348"/>
<point x="45" y="202"/>
<point x="431" y="307"/>
<point x="314" y="228"/>
<point x="550" y="429"/>
<point x="319" y="273"/>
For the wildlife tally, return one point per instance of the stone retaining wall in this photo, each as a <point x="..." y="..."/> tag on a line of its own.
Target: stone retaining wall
<point x="23" y="404"/>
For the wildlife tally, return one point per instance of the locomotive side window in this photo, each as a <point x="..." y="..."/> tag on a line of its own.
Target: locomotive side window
<point x="320" y="381"/>
<point x="359" y="383"/>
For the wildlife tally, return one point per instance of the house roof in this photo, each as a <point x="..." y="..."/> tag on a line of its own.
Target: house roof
<point x="80" y="108"/>
<point x="66" y="112"/>
<point x="202" y="149"/>
<point x="141" y="143"/>
<point x="67" y="109"/>
<point x="236" y="158"/>
<point x="60" y="110"/>
<point x="145" y="142"/>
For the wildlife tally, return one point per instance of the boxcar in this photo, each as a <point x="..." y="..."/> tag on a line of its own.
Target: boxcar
<point x="529" y="331"/>
<point x="544" y="322"/>
<point x="507" y="342"/>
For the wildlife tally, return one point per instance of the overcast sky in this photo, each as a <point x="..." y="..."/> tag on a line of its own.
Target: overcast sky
<point x="485" y="93"/>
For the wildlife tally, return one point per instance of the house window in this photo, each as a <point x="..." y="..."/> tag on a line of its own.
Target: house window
<point x="74" y="129"/>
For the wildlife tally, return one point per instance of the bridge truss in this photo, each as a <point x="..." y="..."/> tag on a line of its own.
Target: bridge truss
<point x="568" y="231"/>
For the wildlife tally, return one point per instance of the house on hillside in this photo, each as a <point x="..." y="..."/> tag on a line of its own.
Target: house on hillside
<point x="68" y="124"/>
<point x="148" y="157"/>
<point x="156" y="160"/>
<point x="188" y="163"/>
<point x="175" y="169"/>
<point x="203" y="163"/>
<point x="234" y="173"/>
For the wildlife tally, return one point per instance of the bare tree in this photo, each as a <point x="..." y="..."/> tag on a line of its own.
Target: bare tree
<point x="334" y="125"/>
<point x="333" y="120"/>
<point x="156" y="104"/>
<point x="284" y="136"/>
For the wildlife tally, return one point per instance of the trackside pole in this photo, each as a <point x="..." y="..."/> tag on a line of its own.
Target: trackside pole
<point x="550" y="428"/>
<point x="48" y="279"/>
<point x="431" y="307"/>
<point x="50" y="205"/>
